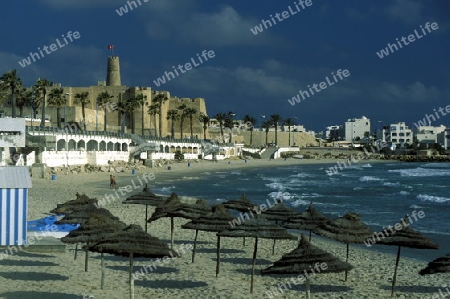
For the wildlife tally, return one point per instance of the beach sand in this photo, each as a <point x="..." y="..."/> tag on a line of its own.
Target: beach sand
<point x="31" y="275"/>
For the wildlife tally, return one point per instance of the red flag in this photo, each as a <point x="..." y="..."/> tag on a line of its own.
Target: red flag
<point x="110" y="47"/>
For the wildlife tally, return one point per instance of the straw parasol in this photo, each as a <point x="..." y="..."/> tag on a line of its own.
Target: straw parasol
<point x="83" y="213"/>
<point x="147" y="198"/>
<point x="132" y="242"/>
<point x="92" y="230"/>
<point x="215" y="221"/>
<point x="172" y="207"/>
<point x="307" y="220"/>
<point x="279" y="212"/>
<point x="347" y="229"/>
<point x="305" y="258"/>
<point x="71" y="205"/>
<point x="406" y="237"/>
<point x="439" y="265"/>
<point x="242" y="204"/>
<point x="258" y="228"/>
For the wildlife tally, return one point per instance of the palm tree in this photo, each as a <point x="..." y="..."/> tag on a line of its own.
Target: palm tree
<point x="229" y="123"/>
<point x="221" y="117"/>
<point x="172" y="115"/>
<point x="102" y="101"/>
<point x="190" y="112"/>
<point x="140" y="100"/>
<point x="57" y="98"/>
<point x="131" y="105"/>
<point x="154" y="110"/>
<point x="160" y="99"/>
<point x="83" y="100"/>
<point x="289" y="122"/>
<point x="41" y="92"/>
<point x="10" y="81"/>
<point x="23" y="96"/>
<point x="252" y="121"/>
<point x="275" y="118"/>
<point x="182" y="109"/>
<point x="266" y="125"/>
<point x="126" y="107"/>
<point x="203" y="118"/>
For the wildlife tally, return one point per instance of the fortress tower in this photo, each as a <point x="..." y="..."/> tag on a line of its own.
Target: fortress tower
<point x="113" y="72"/>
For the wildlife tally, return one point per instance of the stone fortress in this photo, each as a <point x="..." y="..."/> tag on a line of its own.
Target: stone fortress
<point x="72" y="112"/>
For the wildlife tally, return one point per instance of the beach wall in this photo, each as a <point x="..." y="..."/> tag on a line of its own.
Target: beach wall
<point x="70" y="158"/>
<point x="277" y="154"/>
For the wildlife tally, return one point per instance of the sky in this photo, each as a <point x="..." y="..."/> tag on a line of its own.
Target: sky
<point x="253" y="74"/>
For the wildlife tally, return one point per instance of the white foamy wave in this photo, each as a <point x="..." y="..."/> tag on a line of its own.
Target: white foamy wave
<point x="300" y="175"/>
<point x="366" y="165"/>
<point x="369" y="179"/>
<point x="421" y="172"/>
<point x="389" y="184"/>
<point x="236" y="173"/>
<point x="433" y="232"/>
<point x="167" y="189"/>
<point x="281" y="195"/>
<point x="357" y="188"/>
<point x="403" y="193"/>
<point x="275" y="185"/>
<point x="300" y="202"/>
<point x="437" y="199"/>
<point x="415" y="207"/>
<point x="437" y="165"/>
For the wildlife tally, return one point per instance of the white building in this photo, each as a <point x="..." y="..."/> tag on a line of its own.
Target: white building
<point x="443" y="138"/>
<point x="396" y="134"/>
<point x="356" y="128"/>
<point x="428" y="134"/>
<point x="331" y="132"/>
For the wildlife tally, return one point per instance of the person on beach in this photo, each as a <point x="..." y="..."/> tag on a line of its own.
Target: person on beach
<point x="112" y="182"/>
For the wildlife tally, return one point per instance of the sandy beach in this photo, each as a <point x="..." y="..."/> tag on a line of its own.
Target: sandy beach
<point x="30" y="275"/>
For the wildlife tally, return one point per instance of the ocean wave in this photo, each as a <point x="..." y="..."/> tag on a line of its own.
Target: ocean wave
<point x="300" y="175"/>
<point x="431" y="198"/>
<point x="366" y="165"/>
<point x="436" y="165"/>
<point x="236" y="172"/>
<point x="403" y="193"/>
<point x="369" y="179"/>
<point x="284" y="196"/>
<point x="300" y="202"/>
<point x="275" y="185"/>
<point x="358" y="188"/>
<point x="421" y="172"/>
<point x="166" y="189"/>
<point x="415" y="207"/>
<point x="389" y="184"/>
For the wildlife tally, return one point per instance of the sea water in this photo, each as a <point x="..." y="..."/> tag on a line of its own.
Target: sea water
<point x="382" y="193"/>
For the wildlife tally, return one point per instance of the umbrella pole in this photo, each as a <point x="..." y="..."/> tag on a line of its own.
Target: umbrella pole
<point x="310" y="236"/>
<point x="308" y="288"/>
<point x="171" y="232"/>
<point x="195" y="245"/>
<point x="273" y="247"/>
<point x="76" y="250"/>
<point x="146" y="215"/>
<point x="86" y="260"/>
<point x="103" y="271"/>
<point x="395" y="272"/>
<point x="218" y="256"/>
<point x="243" y="242"/>
<point x="346" y="260"/>
<point x="131" y="277"/>
<point x="253" y="265"/>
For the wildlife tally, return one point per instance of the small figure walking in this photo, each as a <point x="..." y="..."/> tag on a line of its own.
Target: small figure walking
<point x="112" y="182"/>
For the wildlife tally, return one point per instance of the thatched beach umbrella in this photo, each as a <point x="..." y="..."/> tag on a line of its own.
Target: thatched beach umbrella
<point x="307" y="258"/>
<point x="406" y="237"/>
<point x="147" y="198"/>
<point x="215" y="221"/>
<point x="82" y="214"/>
<point x="346" y="229"/>
<point x="258" y="228"/>
<point x="439" y="265"/>
<point x="307" y="220"/>
<point x="279" y="212"/>
<point x="72" y="205"/>
<point x="92" y="230"/>
<point x="132" y="242"/>
<point x="172" y="207"/>
<point x="242" y="204"/>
